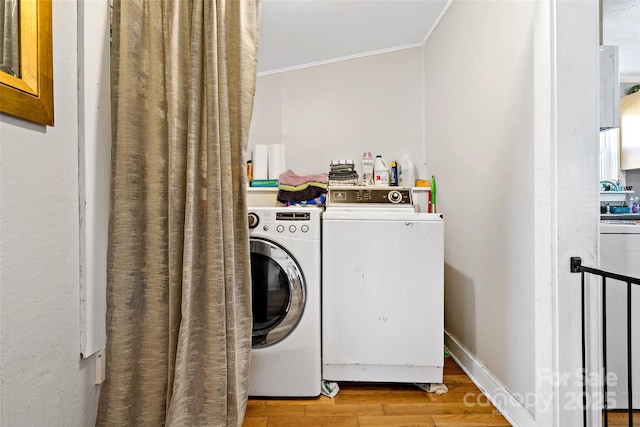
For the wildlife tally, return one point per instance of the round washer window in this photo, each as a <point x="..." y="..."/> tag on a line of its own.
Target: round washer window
<point x="277" y="292"/>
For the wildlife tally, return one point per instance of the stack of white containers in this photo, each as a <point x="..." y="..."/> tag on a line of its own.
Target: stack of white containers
<point x="268" y="161"/>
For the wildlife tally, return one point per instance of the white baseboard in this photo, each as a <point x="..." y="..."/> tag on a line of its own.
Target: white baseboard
<point x="502" y="399"/>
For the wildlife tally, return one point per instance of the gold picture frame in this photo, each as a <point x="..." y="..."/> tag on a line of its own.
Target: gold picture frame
<point x="30" y="96"/>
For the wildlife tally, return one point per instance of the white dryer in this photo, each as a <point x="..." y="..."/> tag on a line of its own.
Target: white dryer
<point x="285" y="274"/>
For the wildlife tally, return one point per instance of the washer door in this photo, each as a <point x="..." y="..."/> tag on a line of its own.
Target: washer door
<point x="278" y="291"/>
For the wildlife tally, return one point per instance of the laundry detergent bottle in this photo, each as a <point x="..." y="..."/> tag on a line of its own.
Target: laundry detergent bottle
<point x="380" y="172"/>
<point x="367" y="168"/>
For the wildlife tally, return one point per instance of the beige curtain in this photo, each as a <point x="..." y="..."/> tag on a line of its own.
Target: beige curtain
<point x="179" y="292"/>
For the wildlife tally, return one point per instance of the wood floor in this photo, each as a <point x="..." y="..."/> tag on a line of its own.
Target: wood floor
<point x="621" y="418"/>
<point x="382" y="405"/>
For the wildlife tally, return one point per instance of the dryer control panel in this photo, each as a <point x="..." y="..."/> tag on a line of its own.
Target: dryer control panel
<point x="388" y="196"/>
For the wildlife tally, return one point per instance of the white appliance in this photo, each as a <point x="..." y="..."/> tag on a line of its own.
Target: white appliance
<point x="609" y="87"/>
<point x="285" y="273"/>
<point x="620" y="253"/>
<point x="382" y="297"/>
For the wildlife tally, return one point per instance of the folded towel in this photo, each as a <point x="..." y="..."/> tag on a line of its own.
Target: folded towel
<point x="302" y="186"/>
<point x="343" y="175"/>
<point x="291" y="178"/>
<point x="343" y="182"/>
<point x="345" y="163"/>
<point x="341" y="166"/>
<point x="318" y="201"/>
<point x="306" y="194"/>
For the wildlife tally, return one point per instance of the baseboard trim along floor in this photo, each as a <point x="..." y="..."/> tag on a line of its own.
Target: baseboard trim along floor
<point x="516" y="413"/>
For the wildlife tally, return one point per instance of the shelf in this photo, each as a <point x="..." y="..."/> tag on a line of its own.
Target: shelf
<point x="275" y="189"/>
<point x="614" y="196"/>
<point x="262" y="189"/>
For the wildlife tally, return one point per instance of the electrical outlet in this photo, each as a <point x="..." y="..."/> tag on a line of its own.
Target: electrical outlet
<point x="100" y="360"/>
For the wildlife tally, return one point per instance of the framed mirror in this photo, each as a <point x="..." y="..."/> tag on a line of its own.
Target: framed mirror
<point x="26" y="84"/>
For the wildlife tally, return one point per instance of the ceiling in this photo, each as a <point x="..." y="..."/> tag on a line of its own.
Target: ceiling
<point x="621" y="27"/>
<point x="302" y="33"/>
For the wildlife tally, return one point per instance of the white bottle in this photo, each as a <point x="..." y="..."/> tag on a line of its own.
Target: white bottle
<point x="408" y="172"/>
<point x="380" y="172"/>
<point x="367" y="168"/>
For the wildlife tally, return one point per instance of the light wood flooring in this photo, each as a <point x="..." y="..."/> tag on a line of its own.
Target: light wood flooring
<point x="621" y="418"/>
<point x="382" y="405"/>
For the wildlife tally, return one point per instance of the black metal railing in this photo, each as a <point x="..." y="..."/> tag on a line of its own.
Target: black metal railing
<point x="577" y="267"/>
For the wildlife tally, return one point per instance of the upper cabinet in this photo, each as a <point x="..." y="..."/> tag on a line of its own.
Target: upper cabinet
<point x="630" y="132"/>
<point x="609" y="87"/>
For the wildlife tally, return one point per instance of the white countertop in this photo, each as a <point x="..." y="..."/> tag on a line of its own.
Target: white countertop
<point x="620" y="226"/>
<point x="629" y="216"/>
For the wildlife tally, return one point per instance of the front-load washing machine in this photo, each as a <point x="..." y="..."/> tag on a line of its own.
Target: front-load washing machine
<point x="285" y="275"/>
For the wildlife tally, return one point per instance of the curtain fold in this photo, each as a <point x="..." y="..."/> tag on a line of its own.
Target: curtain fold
<point x="178" y="279"/>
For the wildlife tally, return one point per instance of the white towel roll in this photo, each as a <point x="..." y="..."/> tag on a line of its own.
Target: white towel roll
<point x="277" y="163"/>
<point x="260" y="162"/>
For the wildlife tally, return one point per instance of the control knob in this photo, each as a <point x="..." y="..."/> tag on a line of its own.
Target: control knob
<point x="254" y="220"/>
<point x="395" y="196"/>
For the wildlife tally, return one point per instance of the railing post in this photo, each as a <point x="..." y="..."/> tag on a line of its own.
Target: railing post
<point x="629" y="376"/>
<point x="577" y="267"/>
<point x="604" y="351"/>
<point x="584" y="356"/>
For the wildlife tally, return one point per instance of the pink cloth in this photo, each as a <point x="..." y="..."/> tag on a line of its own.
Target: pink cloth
<point x="291" y="178"/>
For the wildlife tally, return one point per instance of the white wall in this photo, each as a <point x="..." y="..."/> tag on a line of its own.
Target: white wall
<point x="479" y="136"/>
<point x="633" y="179"/>
<point x="523" y="129"/>
<point x="576" y="192"/>
<point x="43" y="380"/>
<point x="340" y="110"/>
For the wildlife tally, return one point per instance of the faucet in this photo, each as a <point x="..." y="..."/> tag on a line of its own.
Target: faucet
<point x="610" y="185"/>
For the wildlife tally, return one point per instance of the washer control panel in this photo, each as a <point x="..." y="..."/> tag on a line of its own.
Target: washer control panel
<point x="284" y="222"/>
